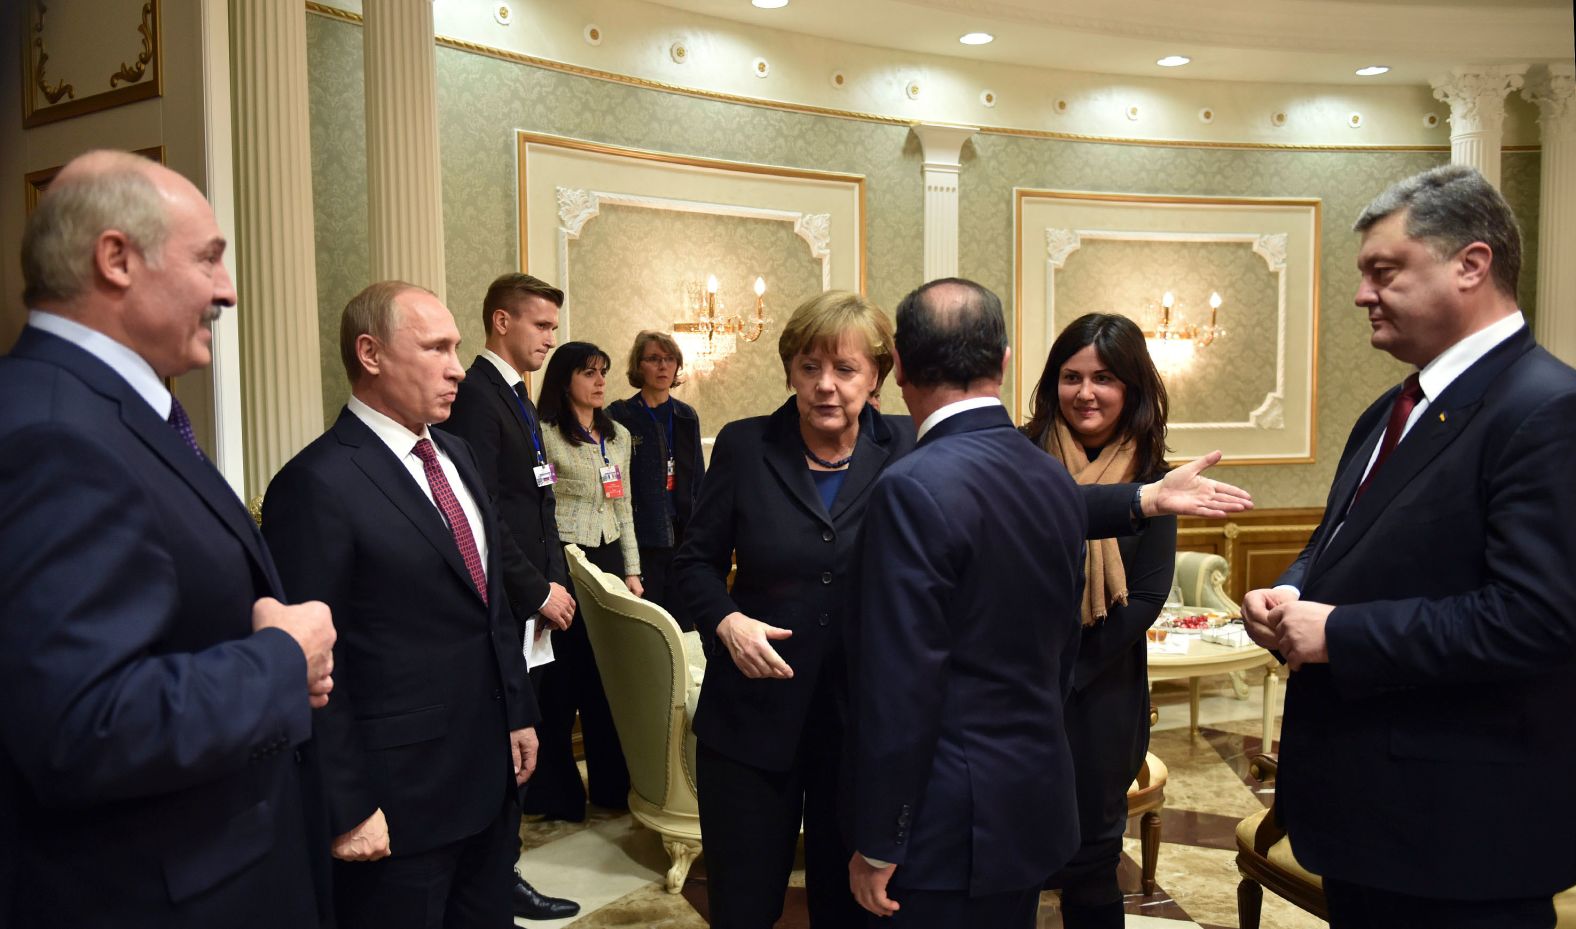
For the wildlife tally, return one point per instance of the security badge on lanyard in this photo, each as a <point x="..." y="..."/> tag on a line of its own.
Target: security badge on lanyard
<point x="546" y="475"/>
<point x="671" y="480"/>
<point x="612" y="482"/>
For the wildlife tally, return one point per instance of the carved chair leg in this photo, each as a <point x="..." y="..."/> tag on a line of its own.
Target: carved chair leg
<point x="1149" y="843"/>
<point x="1250" y="897"/>
<point x="682" y="854"/>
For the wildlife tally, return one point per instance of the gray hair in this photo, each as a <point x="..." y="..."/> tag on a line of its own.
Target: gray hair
<point x="375" y="312"/>
<point x="1449" y="208"/>
<point x="58" y="243"/>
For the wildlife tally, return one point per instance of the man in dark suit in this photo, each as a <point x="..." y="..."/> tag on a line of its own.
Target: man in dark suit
<point x="428" y="735"/>
<point x="961" y="651"/>
<point x="493" y="412"/>
<point x="156" y="691"/>
<point x="1430" y="623"/>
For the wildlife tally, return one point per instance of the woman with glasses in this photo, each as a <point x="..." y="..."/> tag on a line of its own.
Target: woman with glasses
<point x="665" y="463"/>
<point x="590" y="456"/>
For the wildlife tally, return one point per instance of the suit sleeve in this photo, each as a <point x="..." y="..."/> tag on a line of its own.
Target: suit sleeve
<point x="311" y="541"/>
<point x="1110" y="510"/>
<point x="705" y="557"/>
<point x="1520" y="621"/>
<point x="89" y="591"/>
<point x="474" y="421"/>
<point x="1149" y="575"/>
<point x="902" y="641"/>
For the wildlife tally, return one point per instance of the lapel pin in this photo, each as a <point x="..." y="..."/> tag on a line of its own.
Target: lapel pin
<point x="1441" y="417"/>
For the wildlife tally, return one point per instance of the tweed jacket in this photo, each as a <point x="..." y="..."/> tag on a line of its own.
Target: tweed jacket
<point x="585" y="516"/>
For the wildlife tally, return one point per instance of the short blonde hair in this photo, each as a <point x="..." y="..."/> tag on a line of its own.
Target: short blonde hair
<point x="824" y="319"/>
<point x="646" y="337"/>
<point x="373" y="312"/>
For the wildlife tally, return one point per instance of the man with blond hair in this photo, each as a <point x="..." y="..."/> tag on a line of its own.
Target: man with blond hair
<point x="430" y="731"/>
<point x="156" y="690"/>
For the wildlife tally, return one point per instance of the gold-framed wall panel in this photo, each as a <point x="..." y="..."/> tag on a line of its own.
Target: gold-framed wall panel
<point x="1023" y="194"/>
<point x="37" y="112"/>
<point x="1258" y="546"/>
<point x="34" y="183"/>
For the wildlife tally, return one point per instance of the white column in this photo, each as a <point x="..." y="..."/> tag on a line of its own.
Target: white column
<point x="942" y="146"/>
<point x="404" y="189"/>
<point x="1476" y="95"/>
<point x="276" y="265"/>
<point x="1555" y="324"/>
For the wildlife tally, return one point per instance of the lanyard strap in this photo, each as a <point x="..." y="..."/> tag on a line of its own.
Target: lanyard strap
<point x="530" y="427"/>
<point x="601" y="439"/>
<point x="653" y="414"/>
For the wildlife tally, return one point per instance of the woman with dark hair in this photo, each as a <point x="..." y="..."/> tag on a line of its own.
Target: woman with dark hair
<point x="589" y="453"/>
<point x="1100" y="409"/>
<point x="665" y="465"/>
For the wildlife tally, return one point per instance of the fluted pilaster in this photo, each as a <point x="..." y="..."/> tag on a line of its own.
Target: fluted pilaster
<point x="276" y="266"/>
<point x="942" y="146"/>
<point x="404" y="189"/>
<point x="1555" y="324"/>
<point x="1476" y="96"/>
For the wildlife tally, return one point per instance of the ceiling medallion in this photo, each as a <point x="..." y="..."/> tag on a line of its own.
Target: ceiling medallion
<point x="988" y="97"/>
<point x="1430" y="120"/>
<point x="679" y="52"/>
<point x="592" y="34"/>
<point x="838" y="79"/>
<point x="1354" y="119"/>
<point x="1206" y="115"/>
<point x="760" y="67"/>
<point x="502" y="13"/>
<point x="1278" y="119"/>
<point x="911" y="89"/>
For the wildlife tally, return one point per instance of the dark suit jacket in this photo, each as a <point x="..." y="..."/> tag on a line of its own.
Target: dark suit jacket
<point x="428" y="679"/>
<point x="961" y="655"/>
<point x="794" y="564"/>
<point x="149" y="774"/>
<point x="648" y="466"/>
<point x="487" y="415"/>
<point x="1412" y="760"/>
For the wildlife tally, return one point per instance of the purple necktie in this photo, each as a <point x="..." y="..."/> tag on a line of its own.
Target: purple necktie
<point x="453" y="513"/>
<point x="182" y="424"/>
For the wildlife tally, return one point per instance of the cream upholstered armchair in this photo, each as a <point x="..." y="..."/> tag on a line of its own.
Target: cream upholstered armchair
<point x="1201" y="581"/>
<point x="651" y="672"/>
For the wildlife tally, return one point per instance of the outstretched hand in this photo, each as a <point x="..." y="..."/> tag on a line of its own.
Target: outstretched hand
<point x="1187" y="492"/>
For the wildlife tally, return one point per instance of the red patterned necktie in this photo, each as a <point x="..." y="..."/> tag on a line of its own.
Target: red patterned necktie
<point x="1400" y="412"/>
<point x="449" y="504"/>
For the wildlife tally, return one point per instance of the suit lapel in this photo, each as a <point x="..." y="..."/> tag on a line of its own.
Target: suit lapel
<point x="388" y="475"/>
<point x="870" y="456"/>
<point x="1441" y="423"/>
<point x="140" y="419"/>
<point x="785" y="458"/>
<point x="506" y="396"/>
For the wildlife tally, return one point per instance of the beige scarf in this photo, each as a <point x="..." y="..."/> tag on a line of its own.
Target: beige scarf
<point x="1105" y="582"/>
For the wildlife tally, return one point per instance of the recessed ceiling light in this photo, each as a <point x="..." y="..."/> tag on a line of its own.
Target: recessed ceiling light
<point x="769" y="4"/>
<point x="976" y="38"/>
<point x="1371" y="70"/>
<point x="1173" y="61"/>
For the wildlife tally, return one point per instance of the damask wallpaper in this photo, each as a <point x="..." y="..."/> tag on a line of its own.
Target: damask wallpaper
<point x="642" y="257"/>
<point x="1230" y="378"/>
<point x="482" y="100"/>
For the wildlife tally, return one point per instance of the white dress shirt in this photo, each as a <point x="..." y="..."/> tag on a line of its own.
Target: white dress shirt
<point x="132" y="367"/>
<point x="402" y="442"/>
<point x="505" y="369"/>
<point x="953" y="409"/>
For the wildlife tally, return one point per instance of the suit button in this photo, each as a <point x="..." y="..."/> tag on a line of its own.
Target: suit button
<point x="826" y="577"/>
<point x="497" y="695"/>
<point x="826" y="619"/>
<point x="827" y="535"/>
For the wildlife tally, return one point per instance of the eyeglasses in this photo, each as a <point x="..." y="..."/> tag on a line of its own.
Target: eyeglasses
<point x="659" y="360"/>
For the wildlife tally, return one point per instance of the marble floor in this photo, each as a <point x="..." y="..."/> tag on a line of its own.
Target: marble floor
<point x="614" y="868"/>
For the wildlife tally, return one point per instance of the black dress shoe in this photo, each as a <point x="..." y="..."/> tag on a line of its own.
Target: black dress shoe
<point x="531" y="904"/>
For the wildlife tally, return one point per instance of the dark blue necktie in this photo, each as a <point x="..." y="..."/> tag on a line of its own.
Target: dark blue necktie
<point x="182" y="424"/>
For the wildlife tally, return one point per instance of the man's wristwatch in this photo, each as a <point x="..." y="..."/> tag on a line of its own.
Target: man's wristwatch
<point x="1137" y="506"/>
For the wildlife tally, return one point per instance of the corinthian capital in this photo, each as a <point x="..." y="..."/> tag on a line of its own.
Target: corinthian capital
<point x="1553" y="93"/>
<point x="1476" y="95"/>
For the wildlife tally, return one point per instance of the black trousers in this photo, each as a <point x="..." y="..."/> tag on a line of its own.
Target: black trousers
<point x="655" y="577"/>
<point x="571" y="685"/>
<point x="749" y="822"/>
<point x="952" y="909"/>
<point x="1355" y="906"/>
<point x="462" y="885"/>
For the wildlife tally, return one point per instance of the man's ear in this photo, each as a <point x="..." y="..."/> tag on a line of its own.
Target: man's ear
<point x="1006" y="359"/>
<point x="1474" y="264"/>
<point x="112" y="258"/>
<point x="370" y="353"/>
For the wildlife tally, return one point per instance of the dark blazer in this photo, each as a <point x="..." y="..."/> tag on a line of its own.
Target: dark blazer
<point x="961" y="655"/>
<point x="794" y="564"/>
<point x="428" y="679"/>
<point x="150" y="773"/>
<point x="648" y="466"/>
<point x="486" y="413"/>
<point x="1408" y="762"/>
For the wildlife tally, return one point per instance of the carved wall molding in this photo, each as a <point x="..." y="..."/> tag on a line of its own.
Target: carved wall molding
<point x="578" y="206"/>
<point x="46" y="99"/>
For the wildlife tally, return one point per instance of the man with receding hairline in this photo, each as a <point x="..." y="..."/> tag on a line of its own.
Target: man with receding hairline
<point x="430" y="731"/>
<point x="157" y="692"/>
